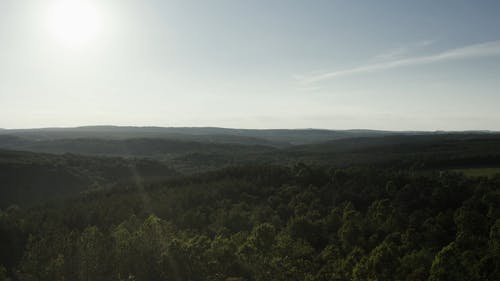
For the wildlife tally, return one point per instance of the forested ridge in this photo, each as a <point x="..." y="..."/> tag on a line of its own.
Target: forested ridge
<point x="276" y="137"/>
<point x="29" y="178"/>
<point x="394" y="207"/>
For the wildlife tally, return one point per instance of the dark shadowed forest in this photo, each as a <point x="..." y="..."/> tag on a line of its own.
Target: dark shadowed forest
<point x="391" y="207"/>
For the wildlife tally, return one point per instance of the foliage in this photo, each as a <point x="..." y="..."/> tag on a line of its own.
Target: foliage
<point x="264" y="222"/>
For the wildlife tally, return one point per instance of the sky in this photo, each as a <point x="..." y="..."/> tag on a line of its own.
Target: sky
<point x="391" y="65"/>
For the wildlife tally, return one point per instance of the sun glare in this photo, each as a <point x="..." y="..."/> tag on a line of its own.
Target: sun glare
<point x="74" y="23"/>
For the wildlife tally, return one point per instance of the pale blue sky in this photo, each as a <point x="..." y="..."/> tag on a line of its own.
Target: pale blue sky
<point x="396" y="65"/>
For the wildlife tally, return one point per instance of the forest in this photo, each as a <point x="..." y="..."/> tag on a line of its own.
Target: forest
<point x="372" y="207"/>
<point x="192" y="140"/>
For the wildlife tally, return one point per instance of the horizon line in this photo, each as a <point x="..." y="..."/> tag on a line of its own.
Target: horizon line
<point x="235" y="128"/>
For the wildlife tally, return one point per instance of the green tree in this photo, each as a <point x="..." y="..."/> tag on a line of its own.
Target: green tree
<point x="447" y="265"/>
<point x="92" y="253"/>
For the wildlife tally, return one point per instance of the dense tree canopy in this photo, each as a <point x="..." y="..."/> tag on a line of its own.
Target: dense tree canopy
<point x="264" y="222"/>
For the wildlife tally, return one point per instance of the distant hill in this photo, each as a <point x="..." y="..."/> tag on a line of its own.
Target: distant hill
<point x="196" y="149"/>
<point x="57" y="174"/>
<point x="437" y="150"/>
<point x="114" y="132"/>
<point x="270" y="137"/>
<point x="403" y="142"/>
<point x="142" y="147"/>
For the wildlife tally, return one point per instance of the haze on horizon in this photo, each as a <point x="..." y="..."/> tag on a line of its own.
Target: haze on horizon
<point x="389" y="65"/>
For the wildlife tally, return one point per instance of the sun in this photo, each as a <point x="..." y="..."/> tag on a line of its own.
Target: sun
<point x="74" y="23"/>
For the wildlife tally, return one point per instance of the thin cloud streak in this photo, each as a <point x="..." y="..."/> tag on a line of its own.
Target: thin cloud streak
<point x="487" y="49"/>
<point x="402" y="51"/>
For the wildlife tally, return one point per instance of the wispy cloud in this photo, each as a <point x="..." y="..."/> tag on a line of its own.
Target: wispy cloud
<point x="487" y="49"/>
<point x="403" y="50"/>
